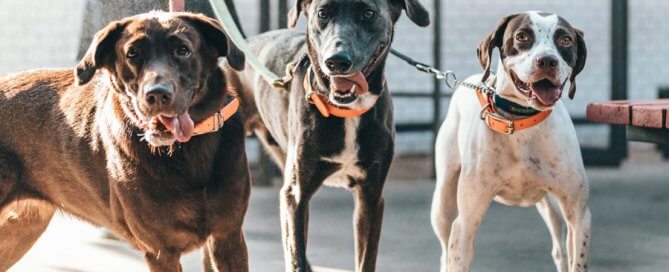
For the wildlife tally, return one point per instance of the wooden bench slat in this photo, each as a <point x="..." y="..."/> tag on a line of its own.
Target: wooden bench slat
<point x="650" y="116"/>
<point x="641" y="113"/>
<point x="609" y="113"/>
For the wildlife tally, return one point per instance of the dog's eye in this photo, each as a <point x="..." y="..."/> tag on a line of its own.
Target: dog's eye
<point x="183" y="51"/>
<point x="132" y="53"/>
<point x="369" y="14"/>
<point x="566" y="41"/>
<point x="323" y="14"/>
<point x="522" y="37"/>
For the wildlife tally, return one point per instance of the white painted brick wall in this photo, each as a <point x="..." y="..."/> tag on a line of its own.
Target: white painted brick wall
<point x="44" y="33"/>
<point x="39" y="33"/>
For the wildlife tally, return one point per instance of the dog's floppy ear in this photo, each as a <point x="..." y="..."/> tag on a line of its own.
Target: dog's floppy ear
<point x="494" y="39"/>
<point x="416" y="12"/>
<point x="214" y="34"/>
<point x="294" y="13"/>
<point x="100" y="52"/>
<point x="581" y="53"/>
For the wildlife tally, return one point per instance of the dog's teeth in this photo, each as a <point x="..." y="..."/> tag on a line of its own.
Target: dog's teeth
<point x="342" y="95"/>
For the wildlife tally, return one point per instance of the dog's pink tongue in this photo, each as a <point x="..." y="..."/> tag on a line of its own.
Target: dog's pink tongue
<point x="548" y="96"/>
<point x="181" y="126"/>
<point x="353" y="83"/>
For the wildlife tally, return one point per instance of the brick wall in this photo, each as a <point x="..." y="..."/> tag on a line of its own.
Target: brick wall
<point x="38" y="34"/>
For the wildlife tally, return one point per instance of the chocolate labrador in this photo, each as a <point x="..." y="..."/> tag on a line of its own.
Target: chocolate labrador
<point x="141" y="138"/>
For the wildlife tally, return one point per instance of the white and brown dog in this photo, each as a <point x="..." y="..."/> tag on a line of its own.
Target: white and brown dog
<point x="536" y="160"/>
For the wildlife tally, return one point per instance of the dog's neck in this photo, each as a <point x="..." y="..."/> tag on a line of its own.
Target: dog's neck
<point x="217" y="94"/>
<point x="505" y="89"/>
<point x="125" y="116"/>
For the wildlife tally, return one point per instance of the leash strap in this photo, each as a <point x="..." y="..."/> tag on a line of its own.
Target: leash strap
<point x="223" y="14"/>
<point x="499" y="123"/>
<point x="215" y="122"/>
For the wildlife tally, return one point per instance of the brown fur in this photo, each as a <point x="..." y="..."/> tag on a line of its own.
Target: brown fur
<point x="71" y="142"/>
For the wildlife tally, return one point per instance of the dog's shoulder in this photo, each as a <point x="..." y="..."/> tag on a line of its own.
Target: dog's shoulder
<point x="276" y="49"/>
<point x="463" y="94"/>
<point x="280" y="40"/>
<point x="41" y="78"/>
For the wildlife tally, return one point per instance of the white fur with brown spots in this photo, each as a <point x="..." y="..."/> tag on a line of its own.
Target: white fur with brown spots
<point x="540" y="166"/>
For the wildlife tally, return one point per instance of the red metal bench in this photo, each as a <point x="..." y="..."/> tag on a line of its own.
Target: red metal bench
<point x="646" y="120"/>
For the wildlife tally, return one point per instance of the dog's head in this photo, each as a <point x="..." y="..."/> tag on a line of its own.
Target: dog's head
<point x="161" y="62"/>
<point x="540" y="52"/>
<point x="348" y="41"/>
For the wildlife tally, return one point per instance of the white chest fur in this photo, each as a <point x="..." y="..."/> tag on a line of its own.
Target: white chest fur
<point x="348" y="158"/>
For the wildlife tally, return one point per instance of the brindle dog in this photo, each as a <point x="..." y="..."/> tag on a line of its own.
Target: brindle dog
<point x="344" y="51"/>
<point x="77" y="141"/>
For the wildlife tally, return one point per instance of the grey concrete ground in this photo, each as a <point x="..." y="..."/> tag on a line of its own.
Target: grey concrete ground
<point x="630" y="209"/>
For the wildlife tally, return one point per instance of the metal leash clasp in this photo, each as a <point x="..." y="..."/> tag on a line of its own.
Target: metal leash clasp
<point x="451" y="80"/>
<point x="219" y="120"/>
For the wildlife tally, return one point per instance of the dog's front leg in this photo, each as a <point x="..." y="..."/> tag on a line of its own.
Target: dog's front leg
<point x="297" y="190"/>
<point x="228" y="252"/>
<point x="368" y="216"/>
<point x="164" y="261"/>
<point x="473" y="199"/>
<point x="554" y="223"/>
<point x="579" y="236"/>
<point x="573" y="203"/>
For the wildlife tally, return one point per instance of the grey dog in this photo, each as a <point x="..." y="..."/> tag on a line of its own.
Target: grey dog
<point x="342" y="56"/>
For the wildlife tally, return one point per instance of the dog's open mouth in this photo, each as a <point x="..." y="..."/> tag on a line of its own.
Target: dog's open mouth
<point x="544" y="91"/>
<point x="346" y="89"/>
<point x="165" y="128"/>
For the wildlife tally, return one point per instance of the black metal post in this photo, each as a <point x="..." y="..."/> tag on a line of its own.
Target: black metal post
<point x="436" y="84"/>
<point x="283" y="13"/>
<point x="264" y="168"/>
<point x="436" y="53"/>
<point x="663" y="93"/>
<point x="619" y="57"/>
<point x="265" y="15"/>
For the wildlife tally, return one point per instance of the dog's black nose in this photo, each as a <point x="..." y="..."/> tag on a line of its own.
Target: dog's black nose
<point x="159" y="95"/>
<point x="339" y="62"/>
<point x="547" y="63"/>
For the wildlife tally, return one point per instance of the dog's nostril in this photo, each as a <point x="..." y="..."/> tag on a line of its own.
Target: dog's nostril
<point x="339" y="62"/>
<point x="547" y="62"/>
<point x="151" y="99"/>
<point x="160" y="94"/>
<point x="345" y="63"/>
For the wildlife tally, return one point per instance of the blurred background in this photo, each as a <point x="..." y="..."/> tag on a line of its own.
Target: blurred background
<point x="627" y="55"/>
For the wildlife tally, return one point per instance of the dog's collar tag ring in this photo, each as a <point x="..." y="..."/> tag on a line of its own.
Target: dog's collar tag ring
<point x="499" y="123"/>
<point x="216" y="121"/>
<point x="323" y="105"/>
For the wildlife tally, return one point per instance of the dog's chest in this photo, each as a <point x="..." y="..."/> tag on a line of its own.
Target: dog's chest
<point x="347" y="159"/>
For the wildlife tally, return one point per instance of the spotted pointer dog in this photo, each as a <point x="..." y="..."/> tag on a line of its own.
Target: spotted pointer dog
<point x="539" y="161"/>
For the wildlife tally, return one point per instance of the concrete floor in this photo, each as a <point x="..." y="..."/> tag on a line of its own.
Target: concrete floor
<point x="630" y="208"/>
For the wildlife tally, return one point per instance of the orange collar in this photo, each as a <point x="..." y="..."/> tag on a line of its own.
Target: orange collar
<point x="215" y="122"/>
<point x="323" y="104"/>
<point x="501" y="124"/>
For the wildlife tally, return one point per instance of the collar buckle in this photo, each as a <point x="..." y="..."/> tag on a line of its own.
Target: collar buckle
<point x="510" y="126"/>
<point x="219" y="121"/>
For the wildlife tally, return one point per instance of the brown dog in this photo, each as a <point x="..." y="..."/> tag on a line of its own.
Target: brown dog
<point x="78" y="142"/>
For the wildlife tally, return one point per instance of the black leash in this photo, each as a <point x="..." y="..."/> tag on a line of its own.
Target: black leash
<point x="448" y="76"/>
